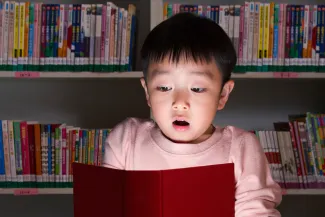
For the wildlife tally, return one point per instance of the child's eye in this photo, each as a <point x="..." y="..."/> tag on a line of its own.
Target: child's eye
<point x="163" y="88"/>
<point x="198" y="90"/>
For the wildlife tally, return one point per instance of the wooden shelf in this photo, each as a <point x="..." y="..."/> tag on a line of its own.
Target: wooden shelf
<point x="37" y="75"/>
<point x="35" y="191"/>
<point x="304" y="192"/>
<point x="65" y="191"/>
<point x="139" y="74"/>
<point x="279" y="75"/>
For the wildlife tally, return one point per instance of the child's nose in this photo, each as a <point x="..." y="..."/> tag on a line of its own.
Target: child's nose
<point x="180" y="106"/>
<point x="181" y="102"/>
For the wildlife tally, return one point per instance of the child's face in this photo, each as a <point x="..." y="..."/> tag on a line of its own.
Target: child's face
<point x="185" y="97"/>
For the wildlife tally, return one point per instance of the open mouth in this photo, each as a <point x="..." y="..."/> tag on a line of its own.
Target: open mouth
<point x="181" y="123"/>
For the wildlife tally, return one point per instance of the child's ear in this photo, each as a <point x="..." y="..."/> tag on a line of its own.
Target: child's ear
<point x="225" y="92"/>
<point x="144" y="85"/>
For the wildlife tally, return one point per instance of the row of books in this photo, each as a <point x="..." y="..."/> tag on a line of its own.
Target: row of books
<point x="268" y="36"/>
<point x="295" y="151"/>
<point x="41" y="155"/>
<point x="66" y="37"/>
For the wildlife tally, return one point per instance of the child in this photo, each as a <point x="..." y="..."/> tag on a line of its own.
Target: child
<point x="187" y="63"/>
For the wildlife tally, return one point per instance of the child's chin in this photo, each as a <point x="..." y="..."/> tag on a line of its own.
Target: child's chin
<point x="180" y="139"/>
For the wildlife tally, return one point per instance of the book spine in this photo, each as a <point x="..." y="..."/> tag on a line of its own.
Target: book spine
<point x="16" y="37"/>
<point x="38" y="36"/>
<point x="48" y="37"/>
<point x="318" y="34"/>
<point x="266" y="36"/>
<point x="26" y="37"/>
<point x="124" y="45"/>
<point x="87" y="22"/>
<point x="5" y="20"/>
<point x="261" y="37"/>
<point x="117" y="41"/>
<point x="43" y="37"/>
<point x="52" y="38"/>
<point x="244" y="37"/>
<point x="31" y="29"/>
<point x="113" y="36"/>
<point x="231" y="22"/>
<point x="21" y="36"/>
<point x="2" y="12"/>
<point x="276" y="18"/>
<point x="57" y="143"/>
<point x="74" y="32"/>
<point x="6" y="148"/>
<point x="92" y="37"/>
<point x="65" y="37"/>
<point x="242" y="32"/>
<point x="322" y="42"/>
<point x="12" y="151"/>
<point x="97" y="49"/>
<point x="2" y="159"/>
<point x="48" y="148"/>
<point x="11" y="35"/>
<point x="103" y="37"/>
<point x="236" y="28"/>
<point x="56" y="59"/>
<point x="69" y="38"/>
<point x="304" y="36"/>
<point x="38" y="151"/>
<point x="297" y="39"/>
<point x="288" y="37"/>
<point x="61" y="36"/>
<point x="310" y="38"/>
<point x="271" y="37"/>
<point x="64" y="154"/>
<point x="32" y="159"/>
<point x="254" y="14"/>
<point x="77" y="37"/>
<point x="18" y="152"/>
<point x="107" y="36"/>
<point x="25" y="152"/>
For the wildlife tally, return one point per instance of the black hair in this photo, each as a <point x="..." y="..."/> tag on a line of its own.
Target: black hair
<point x="192" y="37"/>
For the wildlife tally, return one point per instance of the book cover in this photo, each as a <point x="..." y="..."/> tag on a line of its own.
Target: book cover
<point x="207" y="191"/>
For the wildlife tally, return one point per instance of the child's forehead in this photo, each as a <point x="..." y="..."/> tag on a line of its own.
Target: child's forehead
<point x="188" y="66"/>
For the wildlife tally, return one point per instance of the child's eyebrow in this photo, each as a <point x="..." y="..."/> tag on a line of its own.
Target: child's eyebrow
<point x="205" y="73"/>
<point x="156" y="72"/>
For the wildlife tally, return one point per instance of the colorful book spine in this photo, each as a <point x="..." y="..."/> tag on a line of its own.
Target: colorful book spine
<point x="16" y="37"/>
<point x="97" y="39"/>
<point x="5" y="36"/>
<point x="22" y="36"/>
<point x="2" y="12"/>
<point x="103" y="38"/>
<point x="30" y="25"/>
<point x="26" y="36"/>
<point x="87" y="32"/>
<point x="92" y="37"/>
<point x="256" y="41"/>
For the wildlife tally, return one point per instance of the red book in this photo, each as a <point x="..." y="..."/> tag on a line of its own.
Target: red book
<point x="206" y="191"/>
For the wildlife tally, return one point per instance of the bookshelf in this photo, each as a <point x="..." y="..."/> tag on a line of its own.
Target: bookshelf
<point x="69" y="191"/>
<point x="96" y="100"/>
<point x="139" y="74"/>
<point x="68" y="75"/>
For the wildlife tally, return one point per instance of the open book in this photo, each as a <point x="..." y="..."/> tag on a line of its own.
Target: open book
<point x="207" y="191"/>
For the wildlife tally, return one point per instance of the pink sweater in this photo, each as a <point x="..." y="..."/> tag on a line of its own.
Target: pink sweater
<point x="136" y="144"/>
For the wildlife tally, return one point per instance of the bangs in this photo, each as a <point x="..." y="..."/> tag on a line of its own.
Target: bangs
<point x="176" y="54"/>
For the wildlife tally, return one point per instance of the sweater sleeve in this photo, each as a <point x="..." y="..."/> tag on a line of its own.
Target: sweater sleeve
<point x="257" y="194"/>
<point x="116" y="146"/>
